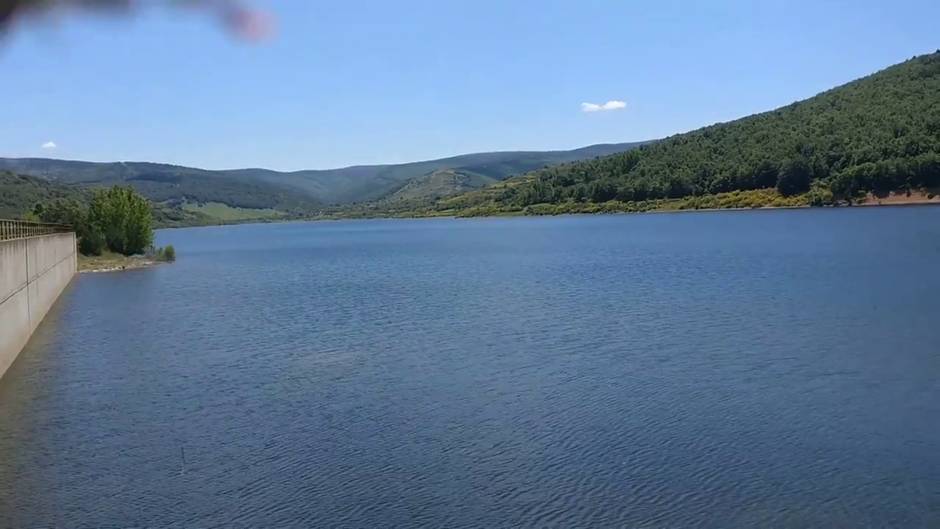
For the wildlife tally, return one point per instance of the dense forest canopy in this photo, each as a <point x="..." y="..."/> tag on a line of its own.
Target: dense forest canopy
<point x="19" y="193"/>
<point x="877" y="134"/>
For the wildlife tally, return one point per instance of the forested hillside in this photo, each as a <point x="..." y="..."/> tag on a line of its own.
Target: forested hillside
<point x="370" y="183"/>
<point x="297" y="193"/>
<point x="439" y="184"/>
<point x="167" y="183"/>
<point x="877" y="134"/>
<point x="19" y="195"/>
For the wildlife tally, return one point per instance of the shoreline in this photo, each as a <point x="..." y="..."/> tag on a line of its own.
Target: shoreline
<point x="771" y="208"/>
<point x="867" y="203"/>
<point x="101" y="264"/>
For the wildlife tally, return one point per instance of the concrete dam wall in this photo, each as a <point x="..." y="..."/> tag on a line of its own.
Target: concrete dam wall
<point x="33" y="272"/>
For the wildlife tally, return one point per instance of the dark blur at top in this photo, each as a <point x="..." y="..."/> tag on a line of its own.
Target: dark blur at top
<point x="239" y="19"/>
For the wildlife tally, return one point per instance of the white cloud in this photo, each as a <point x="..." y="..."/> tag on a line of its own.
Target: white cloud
<point x="49" y="145"/>
<point x="610" y="105"/>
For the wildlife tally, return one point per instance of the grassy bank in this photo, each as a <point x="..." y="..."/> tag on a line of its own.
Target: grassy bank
<point x="113" y="262"/>
<point x="751" y="199"/>
<point x="110" y="261"/>
<point x="459" y="206"/>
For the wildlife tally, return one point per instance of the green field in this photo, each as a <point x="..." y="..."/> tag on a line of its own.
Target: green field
<point x="226" y="213"/>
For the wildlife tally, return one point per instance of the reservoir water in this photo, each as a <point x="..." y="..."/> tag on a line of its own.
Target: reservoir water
<point x="713" y="370"/>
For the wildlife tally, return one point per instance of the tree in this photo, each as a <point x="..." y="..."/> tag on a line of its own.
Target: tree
<point x="90" y="238"/>
<point x="124" y="218"/>
<point x="765" y="175"/>
<point x="794" y="177"/>
<point x="118" y="219"/>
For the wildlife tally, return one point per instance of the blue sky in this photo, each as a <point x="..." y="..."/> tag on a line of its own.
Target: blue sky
<point x="361" y="82"/>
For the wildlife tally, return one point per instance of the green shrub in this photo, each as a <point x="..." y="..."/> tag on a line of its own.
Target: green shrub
<point x="169" y="253"/>
<point x="820" y="195"/>
<point x="90" y="241"/>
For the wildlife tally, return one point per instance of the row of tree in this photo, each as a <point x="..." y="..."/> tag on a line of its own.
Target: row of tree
<point x="117" y="219"/>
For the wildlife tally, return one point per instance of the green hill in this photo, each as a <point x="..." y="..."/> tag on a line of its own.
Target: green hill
<point x="877" y="134"/>
<point x="370" y="183"/>
<point x="167" y="183"/>
<point x="19" y="193"/>
<point x="299" y="193"/>
<point x="439" y="184"/>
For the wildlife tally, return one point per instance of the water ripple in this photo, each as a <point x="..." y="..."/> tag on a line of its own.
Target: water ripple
<point x="708" y="370"/>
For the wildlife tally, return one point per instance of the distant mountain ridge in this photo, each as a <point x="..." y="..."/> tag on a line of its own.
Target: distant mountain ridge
<point x="165" y="183"/>
<point x="295" y="192"/>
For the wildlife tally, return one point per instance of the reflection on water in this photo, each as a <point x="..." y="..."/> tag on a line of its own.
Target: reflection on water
<point x="694" y="370"/>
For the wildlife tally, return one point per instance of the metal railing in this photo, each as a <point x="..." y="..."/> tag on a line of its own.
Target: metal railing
<point x="19" y="229"/>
